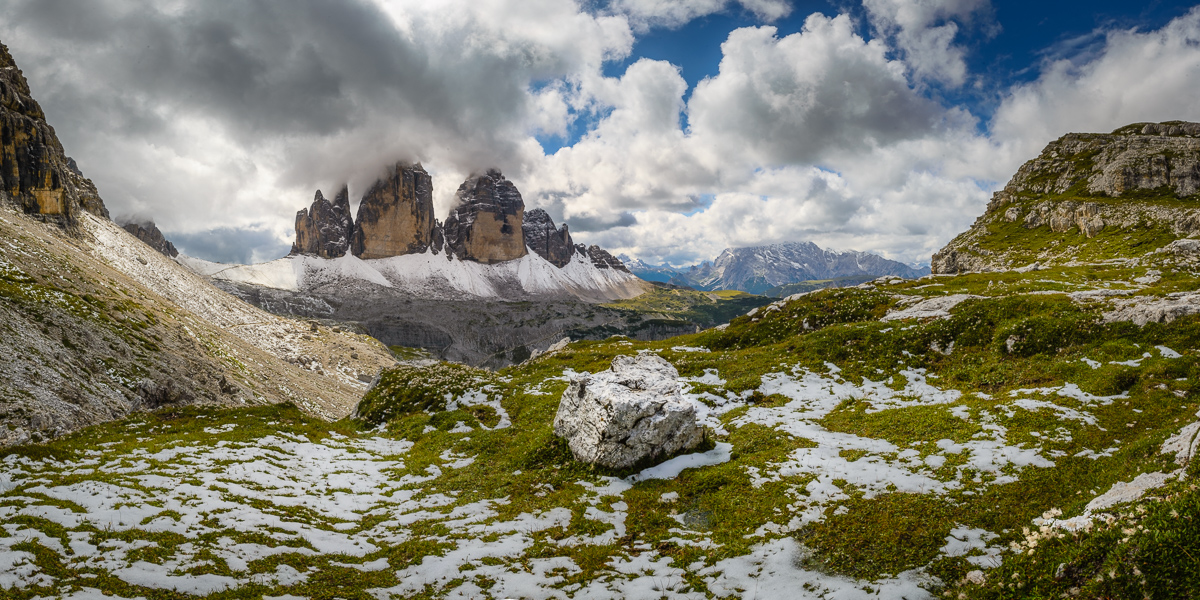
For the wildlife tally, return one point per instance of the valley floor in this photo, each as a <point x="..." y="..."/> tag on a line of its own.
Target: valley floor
<point x="858" y="454"/>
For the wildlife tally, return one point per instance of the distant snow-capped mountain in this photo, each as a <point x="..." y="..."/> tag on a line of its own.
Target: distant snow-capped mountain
<point x="760" y="268"/>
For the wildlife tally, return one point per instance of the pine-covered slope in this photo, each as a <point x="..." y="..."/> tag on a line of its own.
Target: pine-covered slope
<point x="1089" y="198"/>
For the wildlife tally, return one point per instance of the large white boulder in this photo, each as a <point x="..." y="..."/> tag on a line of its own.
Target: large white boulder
<point x="632" y="414"/>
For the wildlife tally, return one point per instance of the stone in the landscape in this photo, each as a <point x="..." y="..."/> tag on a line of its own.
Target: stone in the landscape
<point x="396" y="215"/>
<point x="148" y="232"/>
<point x="486" y="225"/>
<point x="324" y="229"/>
<point x="546" y="240"/>
<point x="630" y="415"/>
<point x="35" y="174"/>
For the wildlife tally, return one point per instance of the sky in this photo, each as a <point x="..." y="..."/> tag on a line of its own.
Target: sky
<point x="665" y="130"/>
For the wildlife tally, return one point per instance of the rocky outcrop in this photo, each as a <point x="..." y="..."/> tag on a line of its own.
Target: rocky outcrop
<point x="486" y="225"/>
<point x="600" y="257"/>
<point x="1087" y="183"/>
<point x="629" y="416"/>
<point x="324" y="229"/>
<point x="548" y="242"/>
<point x="1154" y="309"/>
<point x="1143" y="156"/>
<point x="396" y="215"/>
<point x="148" y="232"/>
<point x="35" y="174"/>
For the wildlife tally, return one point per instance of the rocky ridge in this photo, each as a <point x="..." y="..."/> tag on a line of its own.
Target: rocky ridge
<point x="760" y="268"/>
<point x="1140" y="179"/>
<point x="35" y="173"/>
<point x="149" y="233"/>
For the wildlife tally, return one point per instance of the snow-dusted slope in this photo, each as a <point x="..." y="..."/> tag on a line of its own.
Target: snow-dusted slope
<point x="435" y="276"/>
<point x="344" y="361"/>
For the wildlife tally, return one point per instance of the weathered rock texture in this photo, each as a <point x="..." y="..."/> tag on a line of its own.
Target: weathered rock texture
<point x="486" y="225"/>
<point x="35" y="174"/>
<point x="1153" y="309"/>
<point x="325" y="228"/>
<point x="1146" y="174"/>
<point x="396" y="215"/>
<point x="148" y="232"/>
<point x="550" y="243"/>
<point x="631" y="415"/>
<point x="600" y="257"/>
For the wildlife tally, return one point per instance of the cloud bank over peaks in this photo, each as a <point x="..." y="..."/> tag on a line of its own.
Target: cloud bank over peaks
<point x="814" y="136"/>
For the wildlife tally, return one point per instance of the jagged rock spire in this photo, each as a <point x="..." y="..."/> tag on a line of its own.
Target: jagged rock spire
<point x="149" y="233"/>
<point x="325" y="228"/>
<point x="541" y="236"/>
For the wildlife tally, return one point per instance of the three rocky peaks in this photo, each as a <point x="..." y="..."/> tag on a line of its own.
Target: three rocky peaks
<point x="487" y="225"/>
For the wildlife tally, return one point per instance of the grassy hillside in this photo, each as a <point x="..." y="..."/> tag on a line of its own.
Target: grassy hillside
<point x="854" y="457"/>
<point x="681" y="304"/>
<point x="800" y="287"/>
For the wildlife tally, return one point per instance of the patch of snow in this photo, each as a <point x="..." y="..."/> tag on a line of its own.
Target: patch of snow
<point x="434" y="275"/>
<point x="963" y="540"/>
<point x="672" y="468"/>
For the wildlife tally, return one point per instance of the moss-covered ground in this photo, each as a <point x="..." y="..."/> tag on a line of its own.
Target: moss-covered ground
<point x="866" y="458"/>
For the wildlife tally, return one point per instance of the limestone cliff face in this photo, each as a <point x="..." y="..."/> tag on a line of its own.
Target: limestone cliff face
<point x="396" y="214"/>
<point x="1085" y="185"/>
<point x="546" y="240"/>
<point x="325" y="228"/>
<point x="148" y="232"/>
<point x="35" y="174"/>
<point x="486" y="225"/>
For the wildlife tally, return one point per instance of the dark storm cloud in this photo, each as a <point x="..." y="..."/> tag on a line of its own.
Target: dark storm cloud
<point x="586" y="223"/>
<point x="298" y="71"/>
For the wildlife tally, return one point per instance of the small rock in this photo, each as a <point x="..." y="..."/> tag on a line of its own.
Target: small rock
<point x="976" y="577"/>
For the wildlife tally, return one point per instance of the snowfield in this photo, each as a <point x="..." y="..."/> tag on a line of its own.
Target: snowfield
<point x="434" y="275"/>
<point x="228" y="510"/>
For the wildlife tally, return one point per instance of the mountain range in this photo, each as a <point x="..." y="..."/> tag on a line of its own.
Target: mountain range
<point x="488" y="248"/>
<point x="767" y="269"/>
